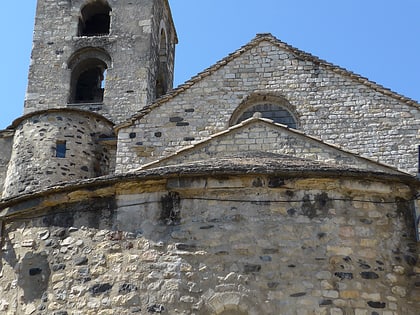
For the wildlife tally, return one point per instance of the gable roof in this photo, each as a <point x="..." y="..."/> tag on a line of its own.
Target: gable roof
<point x="282" y="45"/>
<point x="287" y="144"/>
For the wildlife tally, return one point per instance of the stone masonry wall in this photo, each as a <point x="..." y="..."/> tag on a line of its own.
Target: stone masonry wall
<point x="131" y="45"/>
<point x="261" y="136"/>
<point x="34" y="164"/>
<point x="329" y="105"/>
<point x="214" y="245"/>
<point x="6" y="141"/>
<point x="165" y="21"/>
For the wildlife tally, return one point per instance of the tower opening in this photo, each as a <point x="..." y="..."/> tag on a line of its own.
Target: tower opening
<point x="89" y="86"/>
<point x="95" y="19"/>
<point x="88" y="73"/>
<point x="88" y="82"/>
<point x="161" y="78"/>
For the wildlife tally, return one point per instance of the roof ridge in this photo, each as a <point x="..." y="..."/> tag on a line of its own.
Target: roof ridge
<point x="338" y="69"/>
<point x="269" y="122"/>
<point x="260" y="37"/>
<point x="193" y="80"/>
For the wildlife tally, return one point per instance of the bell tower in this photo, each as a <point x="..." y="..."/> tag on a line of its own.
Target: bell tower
<point x="108" y="56"/>
<point x="94" y="63"/>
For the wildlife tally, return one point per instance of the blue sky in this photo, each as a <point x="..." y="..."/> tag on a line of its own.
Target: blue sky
<point x="378" y="39"/>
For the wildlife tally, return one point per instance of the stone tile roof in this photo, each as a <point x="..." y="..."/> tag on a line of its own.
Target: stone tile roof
<point x="257" y="162"/>
<point x="248" y="163"/>
<point x="18" y="120"/>
<point x="282" y="45"/>
<point x="390" y="169"/>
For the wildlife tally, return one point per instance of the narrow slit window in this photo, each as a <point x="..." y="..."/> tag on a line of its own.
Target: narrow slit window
<point x="60" y="149"/>
<point x="162" y="75"/>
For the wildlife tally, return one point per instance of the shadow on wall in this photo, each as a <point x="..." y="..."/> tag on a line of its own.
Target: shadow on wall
<point x="34" y="275"/>
<point x="8" y="252"/>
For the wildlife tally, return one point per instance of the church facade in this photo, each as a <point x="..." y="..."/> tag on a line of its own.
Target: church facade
<point x="273" y="182"/>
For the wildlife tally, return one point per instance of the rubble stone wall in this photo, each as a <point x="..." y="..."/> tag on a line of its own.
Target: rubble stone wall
<point x="214" y="245"/>
<point x="34" y="163"/>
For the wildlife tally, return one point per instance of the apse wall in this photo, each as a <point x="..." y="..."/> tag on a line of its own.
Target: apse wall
<point x="255" y="244"/>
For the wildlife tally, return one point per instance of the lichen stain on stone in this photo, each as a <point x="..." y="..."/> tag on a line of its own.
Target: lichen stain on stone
<point x="320" y="183"/>
<point x="126" y="188"/>
<point x="64" y="219"/>
<point x="171" y="211"/>
<point x="319" y="207"/>
<point x="79" y="195"/>
<point x="258" y="182"/>
<point x="275" y="182"/>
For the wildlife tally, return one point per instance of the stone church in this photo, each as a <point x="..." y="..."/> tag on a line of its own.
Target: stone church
<point x="273" y="182"/>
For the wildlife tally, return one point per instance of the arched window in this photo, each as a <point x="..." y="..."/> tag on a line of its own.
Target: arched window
<point x="95" y="19"/>
<point x="89" y="82"/>
<point x="88" y="71"/>
<point x="272" y="107"/>
<point x="161" y="78"/>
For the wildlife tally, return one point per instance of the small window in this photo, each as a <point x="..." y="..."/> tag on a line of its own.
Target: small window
<point x="60" y="149"/>
<point x="95" y="19"/>
<point x="270" y="106"/>
<point x="162" y="75"/>
<point x="271" y="111"/>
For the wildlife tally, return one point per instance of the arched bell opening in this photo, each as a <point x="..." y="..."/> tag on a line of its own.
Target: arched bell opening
<point x="95" y="19"/>
<point x="162" y="73"/>
<point x="88" y="75"/>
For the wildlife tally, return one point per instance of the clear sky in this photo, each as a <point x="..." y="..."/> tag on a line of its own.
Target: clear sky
<point x="378" y="39"/>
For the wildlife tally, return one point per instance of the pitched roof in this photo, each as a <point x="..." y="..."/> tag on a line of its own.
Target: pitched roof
<point x="282" y="45"/>
<point x="246" y="164"/>
<point x="257" y="162"/>
<point x="380" y="167"/>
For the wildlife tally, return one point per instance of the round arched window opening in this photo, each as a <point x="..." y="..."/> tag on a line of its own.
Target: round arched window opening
<point x="95" y="19"/>
<point x="89" y="82"/>
<point x="88" y="73"/>
<point x="275" y="108"/>
<point x="162" y="73"/>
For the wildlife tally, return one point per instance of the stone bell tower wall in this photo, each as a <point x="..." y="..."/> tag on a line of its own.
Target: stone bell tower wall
<point x="128" y="56"/>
